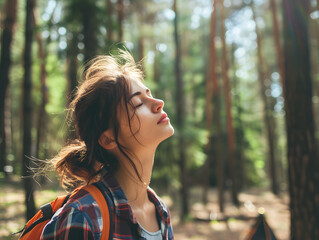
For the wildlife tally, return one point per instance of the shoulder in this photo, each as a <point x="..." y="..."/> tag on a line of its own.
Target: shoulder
<point x="80" y="218"/>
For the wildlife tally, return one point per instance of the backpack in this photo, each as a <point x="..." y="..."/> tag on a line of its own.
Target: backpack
<point x="34" y="227"/>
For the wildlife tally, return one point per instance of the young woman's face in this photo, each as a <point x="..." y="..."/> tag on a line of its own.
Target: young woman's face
<point x="149" y="125"/>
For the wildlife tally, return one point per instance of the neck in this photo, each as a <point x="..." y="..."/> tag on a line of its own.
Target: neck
<point x="135" y="188"/>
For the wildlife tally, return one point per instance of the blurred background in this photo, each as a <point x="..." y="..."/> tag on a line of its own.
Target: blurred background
<point x="220" y="66"/>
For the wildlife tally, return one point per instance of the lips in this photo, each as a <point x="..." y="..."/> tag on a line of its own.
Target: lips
<point x="164" y="115"/>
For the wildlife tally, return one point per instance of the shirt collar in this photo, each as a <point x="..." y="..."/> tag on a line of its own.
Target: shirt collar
<point x="123" y="209"/>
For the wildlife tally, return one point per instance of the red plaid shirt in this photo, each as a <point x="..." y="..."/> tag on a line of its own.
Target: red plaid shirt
<point x="81" y="217"/>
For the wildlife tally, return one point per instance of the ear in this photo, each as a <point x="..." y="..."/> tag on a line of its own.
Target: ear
<point x="106" y="140"/>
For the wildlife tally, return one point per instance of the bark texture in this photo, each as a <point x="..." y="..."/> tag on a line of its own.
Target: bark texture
<point x="230" y="128"/>
<point x="180" y="117"/>
<point x="27" y="112"/>
<point x="5" y="63"/>
<point x="303" y="161"/>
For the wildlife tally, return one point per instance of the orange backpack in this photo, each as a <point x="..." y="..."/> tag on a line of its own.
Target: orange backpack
<point x="33" y="228"/>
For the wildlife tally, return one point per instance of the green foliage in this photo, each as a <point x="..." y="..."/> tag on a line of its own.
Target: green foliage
<point x="56" y="82"/>
<point x="62" y="34"/>
<point x="195" y="140"/>
<point x="255" y="156"/>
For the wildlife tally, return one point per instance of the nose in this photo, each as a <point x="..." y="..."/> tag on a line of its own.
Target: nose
<point x="157" y="105"/>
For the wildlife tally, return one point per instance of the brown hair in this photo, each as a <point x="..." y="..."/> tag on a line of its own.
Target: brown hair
<point x="94" y="109"/>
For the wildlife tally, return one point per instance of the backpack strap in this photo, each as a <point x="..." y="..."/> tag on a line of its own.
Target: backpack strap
<point x="102" y="203"/>
<point x="110" y="203"/>
<point x="46" y="212"/>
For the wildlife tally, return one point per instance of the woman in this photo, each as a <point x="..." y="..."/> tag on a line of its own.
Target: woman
<point x="119" y="125"/>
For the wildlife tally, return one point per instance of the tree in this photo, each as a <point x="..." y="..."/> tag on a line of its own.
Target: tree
<point x="83" y="17"/>
<point x="208" y="110"/>
<point x="5" y="63"/>
<point x="180" y="117"/>
<point x="268" y="119"/>
<point x="89" y="24"/>
<point x="303" y="164"/>
<point x="73" y="18"/>
<point x="27" y="111"/>
<point x="72" y="64"/>
<point x="120" y="18"/>
<point x="43" y="76"/>
<point x="212" y="96"/>
<point x="276" y="34"/>
<point x="141" y="38"/>
<point x="109" y="12"/>
<point x="230" y="128"/>
<point x="239" y="130"/>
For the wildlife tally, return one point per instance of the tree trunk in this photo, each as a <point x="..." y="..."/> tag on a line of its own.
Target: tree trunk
<point x="267" y="111"/>
<point x="314" y="31"/>
<point x="212" y="95"/>
<point x="43" y="75"/>
<point x="314" y="39"/>
<point x="208" y="111"/>
<point x="240" y="133"/>
<point x="303" y="165"/>
<point x="141" y="37"/>
<point x="5" y="63"/>
<point x="89" y="29"/>
<point x="120" y="17"/>
<point x="216" y="113"/>
<point x="72" y="67"/>
<point x="27" y="111"/>
<point x="109" y="27"/>
<point x="180" y="118"/>
<point x="280" y="60"/>
<point x="8" y="122"/>
<point x="230" y="128"/>
<point x="276" y="34"/>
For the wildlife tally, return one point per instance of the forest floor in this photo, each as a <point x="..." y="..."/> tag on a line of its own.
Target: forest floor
<point x="215" y="227"/>
<point x="236" y="222"/>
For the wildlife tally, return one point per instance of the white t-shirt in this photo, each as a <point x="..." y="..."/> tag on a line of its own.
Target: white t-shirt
<point x="151" y="235"/>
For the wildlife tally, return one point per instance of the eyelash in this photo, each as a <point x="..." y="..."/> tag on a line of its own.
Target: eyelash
<point x="150" y="94"/>
<point x="139" y="105"/>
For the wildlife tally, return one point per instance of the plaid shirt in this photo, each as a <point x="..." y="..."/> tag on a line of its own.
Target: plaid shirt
<point x="81" y="217"/>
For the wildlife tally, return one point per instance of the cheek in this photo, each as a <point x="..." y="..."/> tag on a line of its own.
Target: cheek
<point x="147" y="129"/>
<point x="128" y="129"/>
<point x="141" y="125"/>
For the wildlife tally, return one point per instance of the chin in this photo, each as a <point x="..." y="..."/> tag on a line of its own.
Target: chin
<point x="170" y="132"/>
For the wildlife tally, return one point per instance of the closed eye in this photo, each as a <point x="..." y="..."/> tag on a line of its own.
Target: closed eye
<point x="138" y="105"/>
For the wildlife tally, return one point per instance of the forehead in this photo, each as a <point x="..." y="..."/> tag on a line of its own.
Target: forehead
<point x="137" y="86"/>
<point x="123" y="111"/>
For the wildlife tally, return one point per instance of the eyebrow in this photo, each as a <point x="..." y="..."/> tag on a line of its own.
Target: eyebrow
<point x="138" y="93"/>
